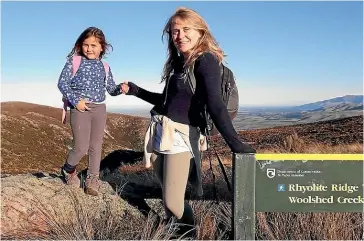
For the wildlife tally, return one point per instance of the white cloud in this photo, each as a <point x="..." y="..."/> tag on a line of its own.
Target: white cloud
<point x="48" y="94"/>
<point x="296" y="94"/>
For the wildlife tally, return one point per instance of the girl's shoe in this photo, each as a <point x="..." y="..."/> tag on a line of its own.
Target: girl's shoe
<point x="71" y="178"/>
<point x="92" y="184"/>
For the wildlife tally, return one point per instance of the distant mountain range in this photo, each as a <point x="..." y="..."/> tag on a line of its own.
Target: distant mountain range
<point x="335" y="108"/>
<point x="347" y="102"/>
<point x="264" y="117"/>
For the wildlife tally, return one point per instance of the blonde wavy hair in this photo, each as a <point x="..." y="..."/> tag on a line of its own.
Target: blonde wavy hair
<point x="206" y="42"/>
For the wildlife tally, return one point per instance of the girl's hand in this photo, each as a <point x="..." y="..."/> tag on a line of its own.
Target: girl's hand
<point x="125" y="87"/>
<point x="81" y="105"/>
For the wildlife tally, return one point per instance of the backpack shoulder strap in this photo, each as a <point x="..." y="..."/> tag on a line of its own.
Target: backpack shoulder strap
<point x="76" y="61"/>
<point x="191" y="78"/>
<point x="106" y="67"/>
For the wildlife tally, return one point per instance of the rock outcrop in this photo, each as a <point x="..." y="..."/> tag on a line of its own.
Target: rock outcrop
<point x="31" y="201"/>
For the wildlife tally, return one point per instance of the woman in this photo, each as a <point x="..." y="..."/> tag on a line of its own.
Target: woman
<point x="172" y="141"/>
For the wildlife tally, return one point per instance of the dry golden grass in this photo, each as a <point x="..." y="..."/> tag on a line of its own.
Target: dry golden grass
<point x="213" y="223"/>
<point x="88" y="224"/>
<point x="294" y="144"/>
<point x="309" y="226"/>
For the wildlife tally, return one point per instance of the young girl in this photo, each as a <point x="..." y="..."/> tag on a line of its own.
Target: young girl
<point x="172" y="141"/>
<point x="85" y="92"/>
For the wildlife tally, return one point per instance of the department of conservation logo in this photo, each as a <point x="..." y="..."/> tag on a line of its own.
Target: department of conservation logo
<point x="271" y="172"/>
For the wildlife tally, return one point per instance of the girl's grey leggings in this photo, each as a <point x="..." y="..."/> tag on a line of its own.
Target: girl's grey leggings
<point x="172" y="171"/>
<point x="88" y="133"/>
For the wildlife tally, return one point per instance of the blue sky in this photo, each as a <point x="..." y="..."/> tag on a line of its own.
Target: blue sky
<point x="282" y="53"/>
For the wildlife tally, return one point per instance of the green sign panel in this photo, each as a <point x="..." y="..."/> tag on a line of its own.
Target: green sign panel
<point x="309" y="186"/>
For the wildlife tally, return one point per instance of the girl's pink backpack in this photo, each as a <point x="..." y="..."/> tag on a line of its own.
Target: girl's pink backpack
<point x="76" y="62"/>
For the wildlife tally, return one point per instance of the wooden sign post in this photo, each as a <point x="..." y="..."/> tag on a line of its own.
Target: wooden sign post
<point x="244" y="196"/>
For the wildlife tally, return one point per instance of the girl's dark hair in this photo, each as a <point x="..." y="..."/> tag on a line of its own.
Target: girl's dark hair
<point x="90" y="32"/>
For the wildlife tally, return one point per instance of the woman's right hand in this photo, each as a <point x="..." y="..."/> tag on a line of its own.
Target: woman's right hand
<point x="129" y="88"/>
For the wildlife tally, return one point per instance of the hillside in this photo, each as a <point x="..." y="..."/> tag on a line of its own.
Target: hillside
<point x="33" y="137"/>
<point x="349" y="101"/>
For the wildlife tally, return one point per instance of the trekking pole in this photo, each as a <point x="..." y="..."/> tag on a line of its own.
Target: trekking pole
<point x="218" y="157"/>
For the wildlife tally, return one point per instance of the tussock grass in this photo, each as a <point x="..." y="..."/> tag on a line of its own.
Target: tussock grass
<point x="213" y="221"/>
<point x="309" y="226"/>
<point x="87" y="224"/>
<point x="295" y="144"/>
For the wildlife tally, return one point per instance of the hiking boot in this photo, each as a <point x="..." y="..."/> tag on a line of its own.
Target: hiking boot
<point x="165" y="222"/>
<point x="92" y="184"/>
<point x="71" y="178"/>
<point x="186" y="223"/>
